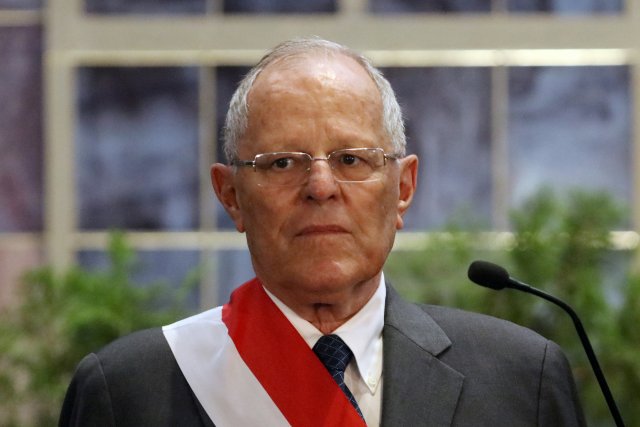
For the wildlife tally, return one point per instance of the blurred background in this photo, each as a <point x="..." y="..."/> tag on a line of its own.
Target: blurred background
<point x="523" y="113"/>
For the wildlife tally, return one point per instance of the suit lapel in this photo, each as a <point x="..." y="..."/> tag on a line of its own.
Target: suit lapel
<point x="419" y="389"/>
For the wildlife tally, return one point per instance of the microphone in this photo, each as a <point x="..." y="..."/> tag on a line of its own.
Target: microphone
<point x="495" y="277"/>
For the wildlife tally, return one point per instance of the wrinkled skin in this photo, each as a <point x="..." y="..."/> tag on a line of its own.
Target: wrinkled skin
<point x="320" y="246"/>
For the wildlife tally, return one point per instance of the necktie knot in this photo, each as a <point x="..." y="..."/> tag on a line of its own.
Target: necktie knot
<point x="334" y="354"/>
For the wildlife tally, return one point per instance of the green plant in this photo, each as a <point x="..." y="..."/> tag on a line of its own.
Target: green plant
<point x="63" y="317"/>
<point x="561" y="245"/>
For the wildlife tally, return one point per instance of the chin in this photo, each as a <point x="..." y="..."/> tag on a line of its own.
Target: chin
<point x="317" y="275"/>
<point x="324" y="282"/>
<point x="330" y="279"/>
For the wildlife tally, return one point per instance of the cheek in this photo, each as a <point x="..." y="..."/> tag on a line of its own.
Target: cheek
<point x="376" y="211"/>
<point x="263" y="214"/>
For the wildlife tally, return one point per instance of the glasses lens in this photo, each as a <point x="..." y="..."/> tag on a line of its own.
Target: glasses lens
<point x="357" y="164"/>
<point x="282" y="169"/>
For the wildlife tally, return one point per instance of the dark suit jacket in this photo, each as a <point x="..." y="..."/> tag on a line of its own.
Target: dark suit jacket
<point x="442" y="367"/>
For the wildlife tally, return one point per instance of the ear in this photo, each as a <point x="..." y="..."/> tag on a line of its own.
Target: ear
<point x="407" y="186"/>
<point x="222" y="179"/>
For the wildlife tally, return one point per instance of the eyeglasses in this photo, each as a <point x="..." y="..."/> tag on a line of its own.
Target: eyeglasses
<point x="292" y="168"/>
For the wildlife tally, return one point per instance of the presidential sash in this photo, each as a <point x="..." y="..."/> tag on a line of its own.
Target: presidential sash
<point x="248" y="366"/>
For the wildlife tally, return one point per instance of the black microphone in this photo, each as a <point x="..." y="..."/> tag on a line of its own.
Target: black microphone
<point x="495" y="277"/>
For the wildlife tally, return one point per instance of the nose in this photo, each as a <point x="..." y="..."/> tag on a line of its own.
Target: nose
<point x="321" y="184"/>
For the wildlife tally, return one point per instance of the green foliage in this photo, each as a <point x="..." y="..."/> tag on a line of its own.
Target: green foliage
<point x="63" y="317"/>
<point x="562" y="246"/>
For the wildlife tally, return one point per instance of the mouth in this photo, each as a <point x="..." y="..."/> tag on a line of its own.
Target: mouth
<point x="327" y="229"/>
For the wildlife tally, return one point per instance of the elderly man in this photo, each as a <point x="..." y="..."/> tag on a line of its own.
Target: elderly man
<point x="318" y="179"/>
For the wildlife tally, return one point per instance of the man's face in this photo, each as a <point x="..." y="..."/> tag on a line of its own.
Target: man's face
<point x="315" y="241"/>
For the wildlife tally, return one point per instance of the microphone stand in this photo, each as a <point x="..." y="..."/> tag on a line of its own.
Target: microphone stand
<point x="613" y="408"/>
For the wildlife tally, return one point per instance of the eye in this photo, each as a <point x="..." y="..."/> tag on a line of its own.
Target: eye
<point x="348" y="159"/>
<point x="283" y="163"/>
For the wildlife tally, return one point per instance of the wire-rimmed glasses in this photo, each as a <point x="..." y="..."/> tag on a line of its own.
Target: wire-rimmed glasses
<point x="292" y="168"/>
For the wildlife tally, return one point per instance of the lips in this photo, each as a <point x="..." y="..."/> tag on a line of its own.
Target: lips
<point x="321" y="229"/>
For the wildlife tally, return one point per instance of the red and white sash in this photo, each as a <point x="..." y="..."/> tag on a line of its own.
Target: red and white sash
<point x="248" y="366"/>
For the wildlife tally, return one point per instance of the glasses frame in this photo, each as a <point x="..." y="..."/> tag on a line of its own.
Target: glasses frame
<point x="253" y="163"/>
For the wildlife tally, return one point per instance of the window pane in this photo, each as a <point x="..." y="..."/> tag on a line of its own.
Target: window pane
<point x="279" y="6"/>
<point x="448" y="126"/>
<point x="394" y="6"/>
<point x="21" y="4"/>
<point x="21" y="129"/>
<point x="145" y="6"/>
<point x="566" y="6"/>
<point x="167" y="268"/>
<point x="569" y="127"/>
<point x="137" y="148"/>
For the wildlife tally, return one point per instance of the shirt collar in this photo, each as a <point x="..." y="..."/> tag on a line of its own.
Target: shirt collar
<point x="362" y="333"/>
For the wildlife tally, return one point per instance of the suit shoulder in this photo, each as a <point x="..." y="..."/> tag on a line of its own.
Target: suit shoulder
<point x="135" y="380"/>
<point x="136" y="343"/>
<point x="488" y="330"/>
<point x="142" y="350"/>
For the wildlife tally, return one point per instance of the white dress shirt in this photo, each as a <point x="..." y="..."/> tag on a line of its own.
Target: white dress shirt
<point x="363" y="334"/>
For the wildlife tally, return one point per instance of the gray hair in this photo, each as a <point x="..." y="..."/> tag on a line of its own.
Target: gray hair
<point x="238" y="115"/>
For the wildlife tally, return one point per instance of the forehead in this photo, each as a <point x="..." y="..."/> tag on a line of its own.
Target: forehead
<point x="315" y="71"/>
<point x="299" y="95"/>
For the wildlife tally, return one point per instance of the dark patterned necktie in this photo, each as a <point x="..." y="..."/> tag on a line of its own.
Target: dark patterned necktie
<point x="335" y="356"/>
